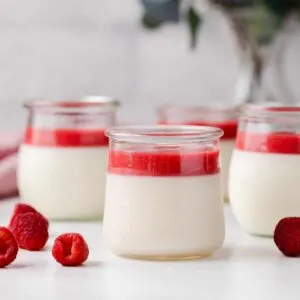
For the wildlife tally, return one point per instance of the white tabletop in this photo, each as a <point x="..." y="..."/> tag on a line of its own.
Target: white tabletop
<point x="245" y="268"/>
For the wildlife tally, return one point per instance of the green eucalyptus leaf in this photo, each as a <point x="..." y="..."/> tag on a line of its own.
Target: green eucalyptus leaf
<point x="149" y="22"/>
<point x="261" y="23"/>
<point x="194" y="22"/>
<point x="282" y="7"/>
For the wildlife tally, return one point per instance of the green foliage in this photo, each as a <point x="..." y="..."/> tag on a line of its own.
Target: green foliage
<point x="194" y="23"/>
<point x="282" y="7"/>
<point x="149" y="22"/>
<point x="262" y="18"/>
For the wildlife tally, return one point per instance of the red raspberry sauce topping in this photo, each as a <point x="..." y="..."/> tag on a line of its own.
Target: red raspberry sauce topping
<point x="277" y="142"/>
<point x="164" y="163"/>
<point x="66" y="137"/>
<point x="229" y="127"/>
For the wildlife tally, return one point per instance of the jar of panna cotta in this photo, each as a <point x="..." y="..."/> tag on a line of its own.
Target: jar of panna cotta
<point x="163" y="192"/>
<point x="63" y="158"/>
<point x="265" y="169"/>
<point x="224" y="118"/>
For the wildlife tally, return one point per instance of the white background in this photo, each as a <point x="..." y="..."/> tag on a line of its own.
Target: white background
<point x="71" y="48"/>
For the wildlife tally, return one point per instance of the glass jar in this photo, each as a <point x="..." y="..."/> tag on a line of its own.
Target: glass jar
<point x="252" y="44"/>
<point x="264" y="33"/>
<point x="163" y="194"/>
<point x="63" y="158"/>
<point x="224" y="118"/>
<point x="265" y="167"/>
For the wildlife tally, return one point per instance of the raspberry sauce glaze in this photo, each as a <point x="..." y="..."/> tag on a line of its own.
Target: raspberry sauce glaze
<point x="275" y="142"/>
<point x="66" y="137"/>
<point x="164" y="163"/>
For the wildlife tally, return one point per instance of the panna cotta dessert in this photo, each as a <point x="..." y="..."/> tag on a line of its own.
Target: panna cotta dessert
<point x="223" y="118"/>
<point x="63" y="159"/>
<point x="163" y="192"/>
<point x="265" y="169"/>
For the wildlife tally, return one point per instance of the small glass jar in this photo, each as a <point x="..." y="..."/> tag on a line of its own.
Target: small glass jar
<point x="63" y="158"/>
<point x="163" y="193"/>
<point x="224" y="118"/>
<point x="265" y="168"/>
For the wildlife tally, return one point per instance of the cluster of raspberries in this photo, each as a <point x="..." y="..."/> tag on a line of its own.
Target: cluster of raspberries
<point x="28" y="229"/>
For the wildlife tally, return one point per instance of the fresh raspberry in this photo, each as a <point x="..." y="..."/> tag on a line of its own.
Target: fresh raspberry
<point x="30" y="230"/>
<point x="22" y="208"/>
<point x="287" y="236"/>
<point x="8" y="247"/>
<point x="70" y="249"/>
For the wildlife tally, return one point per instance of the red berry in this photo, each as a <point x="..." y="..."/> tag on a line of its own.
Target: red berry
<point x="287" y="236"/>
<point x="70" y="249"/>
<point x="8" y="247"/>
<point x="22" y="208"/>
<point x="30" y="230"/>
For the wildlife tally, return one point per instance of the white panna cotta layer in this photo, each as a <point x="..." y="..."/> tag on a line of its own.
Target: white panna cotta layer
<point x="173" y="216"/>
<point x="264" y="188"/>
<point x="63" y="182"/>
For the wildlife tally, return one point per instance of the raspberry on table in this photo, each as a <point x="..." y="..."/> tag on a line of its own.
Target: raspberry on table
<point x="30" y="230"/>
<point x="287" y="236"/>
<point x="8" y="247"/>
<point x="70" y="249"/>
<point x="22" y="208"/>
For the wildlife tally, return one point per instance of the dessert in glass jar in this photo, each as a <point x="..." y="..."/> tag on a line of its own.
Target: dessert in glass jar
<point x="63" y="158"/>
<point x="265" y="168"/>
<point x="224" y="118"/>
<point x="163" y="193"/>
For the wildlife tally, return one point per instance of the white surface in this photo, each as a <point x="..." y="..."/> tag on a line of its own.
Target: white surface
<point x="153" y="216"/>
<point x="245" y="268"/>
<point x="264" y="188"/>
<point x="63" y="182"/>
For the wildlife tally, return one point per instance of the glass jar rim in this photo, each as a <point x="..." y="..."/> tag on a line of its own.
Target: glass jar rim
<point x="85" y="102"/>
<point x="269" y="110"/>
<point x="197" y="108"/>
<point x="182" y="114"/>
<point x="164" y="134"/>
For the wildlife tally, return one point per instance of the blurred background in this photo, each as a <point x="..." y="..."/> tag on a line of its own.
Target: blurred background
<point x="145" y="53"/>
